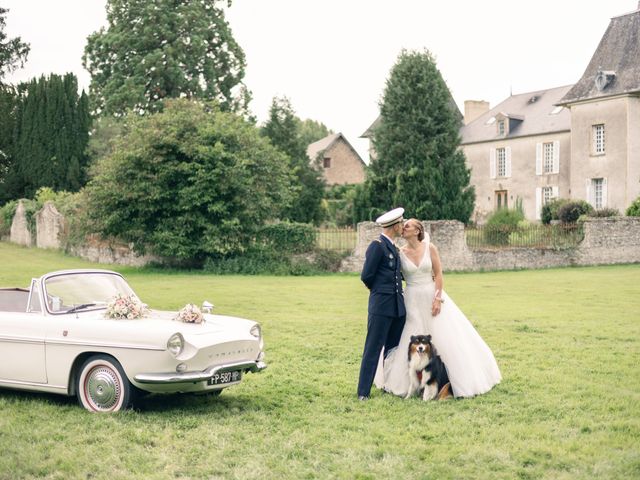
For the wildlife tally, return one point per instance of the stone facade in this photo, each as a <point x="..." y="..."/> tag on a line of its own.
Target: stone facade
<point x="20" y="232"/>
<point x="338" y="161"/>
<point x="522" y="180"/>
<point x="50" y="227"/>
<point x="606" y="241"/>
<point x="618" y="166"/>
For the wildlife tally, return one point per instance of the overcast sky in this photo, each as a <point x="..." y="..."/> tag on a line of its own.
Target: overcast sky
<point x="332" y="57"/>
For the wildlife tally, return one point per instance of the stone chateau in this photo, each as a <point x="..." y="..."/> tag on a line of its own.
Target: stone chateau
<point x="578" y="141"/>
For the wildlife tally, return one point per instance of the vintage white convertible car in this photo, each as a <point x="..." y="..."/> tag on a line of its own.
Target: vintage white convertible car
<point x="56" y="337"/>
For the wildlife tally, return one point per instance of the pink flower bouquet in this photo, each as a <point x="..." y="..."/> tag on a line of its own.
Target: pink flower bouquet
<point x="126" y="307"/>
<point x="190" y="314"/>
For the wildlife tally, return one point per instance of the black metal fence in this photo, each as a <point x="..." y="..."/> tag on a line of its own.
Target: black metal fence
<point x="531" y="236"/>
<point x="337" y="239"/>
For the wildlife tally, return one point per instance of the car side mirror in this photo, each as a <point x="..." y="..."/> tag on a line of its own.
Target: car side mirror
<point x="207" y="307"/>
<point x="56" y="303"/>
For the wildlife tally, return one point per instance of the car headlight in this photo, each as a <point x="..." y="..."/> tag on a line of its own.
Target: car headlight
<point x="175" y="344"/>
<point x="256" y="331"/>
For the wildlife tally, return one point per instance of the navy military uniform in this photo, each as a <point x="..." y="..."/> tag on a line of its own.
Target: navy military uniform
<point x="381" y="274"/>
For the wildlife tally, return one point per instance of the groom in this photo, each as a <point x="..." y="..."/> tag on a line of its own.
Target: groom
<point x="381" y="275"/>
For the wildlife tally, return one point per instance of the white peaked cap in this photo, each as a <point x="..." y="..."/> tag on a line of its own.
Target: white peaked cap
<point x="390" y="218"/>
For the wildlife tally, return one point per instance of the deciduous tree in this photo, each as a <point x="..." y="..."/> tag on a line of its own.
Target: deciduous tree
<point x="285" y="132"/>
<point x="13" y="51"/>
<point x="191" y="182"/>
<point x="157" y="49"/>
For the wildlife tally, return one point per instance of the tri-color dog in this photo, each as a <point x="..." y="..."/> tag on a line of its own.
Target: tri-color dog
<point x="427" y="372"/>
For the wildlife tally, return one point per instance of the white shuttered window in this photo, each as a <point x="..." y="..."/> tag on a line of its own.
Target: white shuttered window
<point x="501" y="160"/>
<point x="597" y="192"/>
<point x="547" y="157"/>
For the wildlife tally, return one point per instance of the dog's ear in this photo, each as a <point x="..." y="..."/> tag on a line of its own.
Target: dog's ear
<point x="429" y="338"/>
<point x="413" y="339"/>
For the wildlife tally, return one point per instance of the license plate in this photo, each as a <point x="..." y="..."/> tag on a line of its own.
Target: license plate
<point x="221" y="378"/>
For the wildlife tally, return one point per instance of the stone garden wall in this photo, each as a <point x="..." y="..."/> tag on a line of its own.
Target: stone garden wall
<point x="50" y="229"/>
<point x="606" y="241"/>
<point x="100" y="251"/>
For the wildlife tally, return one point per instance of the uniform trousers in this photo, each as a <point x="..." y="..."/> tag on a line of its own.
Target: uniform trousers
<point x="382" y="331"/>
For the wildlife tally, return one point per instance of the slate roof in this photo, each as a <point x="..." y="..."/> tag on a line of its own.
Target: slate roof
<point x="315" y="148"/>
<point x="533" y="110"/>
<point x="619" y="53"/>
<point x="368" y="133"/>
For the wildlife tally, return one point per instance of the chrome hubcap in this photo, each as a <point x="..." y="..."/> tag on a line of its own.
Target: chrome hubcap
<point x="103" y="388"/>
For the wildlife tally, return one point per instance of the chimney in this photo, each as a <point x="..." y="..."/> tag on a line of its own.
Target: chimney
<point x="473" y="109"/>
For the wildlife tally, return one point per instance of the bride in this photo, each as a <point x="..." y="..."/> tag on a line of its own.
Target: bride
<point x="470" y="364"/>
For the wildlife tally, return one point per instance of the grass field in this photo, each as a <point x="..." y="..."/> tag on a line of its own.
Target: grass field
<point x="567" y="342"/>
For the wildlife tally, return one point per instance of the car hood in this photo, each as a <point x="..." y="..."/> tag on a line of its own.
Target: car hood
<point x="153" y="330"/>
<point x="212" y="323"/>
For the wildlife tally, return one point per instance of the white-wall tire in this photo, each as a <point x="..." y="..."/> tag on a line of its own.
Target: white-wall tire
<point x="102" y="385"/>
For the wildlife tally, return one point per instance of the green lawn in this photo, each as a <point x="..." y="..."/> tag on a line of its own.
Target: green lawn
<point x="567" y="342"/>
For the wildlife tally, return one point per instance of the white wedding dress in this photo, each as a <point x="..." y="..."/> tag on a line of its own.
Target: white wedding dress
<point x="470" y="364"/>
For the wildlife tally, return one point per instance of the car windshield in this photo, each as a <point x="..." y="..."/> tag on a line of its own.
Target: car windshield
<point x="72" y="292"/>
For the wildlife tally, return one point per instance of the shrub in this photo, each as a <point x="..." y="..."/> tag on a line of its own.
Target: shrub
<point x="250" y="263"/>
<point x="189" y="183"/>
<point x="501" y="224"/>
<point x="634" y="209"/>
<point x="257" y="262"/>
<point x="287" y="236"/>
<point x="262" y="261"/>
<point x="572" y="210"/>
<point x="550" y="210"/>
<point x="7" y="211"/>
<point x="604" y="212"/>
<point x="328" y="260"/>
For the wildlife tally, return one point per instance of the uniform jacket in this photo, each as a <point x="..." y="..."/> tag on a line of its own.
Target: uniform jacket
<point x="381" y="274"/>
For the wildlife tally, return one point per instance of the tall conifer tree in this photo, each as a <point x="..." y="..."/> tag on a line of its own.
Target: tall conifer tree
<point x="8" y="106"/>
<point x="51" y="133"/>
<point x="419" y="164"/>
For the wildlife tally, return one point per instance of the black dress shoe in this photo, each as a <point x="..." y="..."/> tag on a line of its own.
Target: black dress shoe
<point x="363" y="398"/>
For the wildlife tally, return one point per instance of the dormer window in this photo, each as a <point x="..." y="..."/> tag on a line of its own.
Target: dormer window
<point x="604" y="78"/>
<point x="501" y="128"/>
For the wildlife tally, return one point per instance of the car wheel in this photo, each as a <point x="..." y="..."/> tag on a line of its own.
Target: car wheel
<point x="102" y="385"/>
